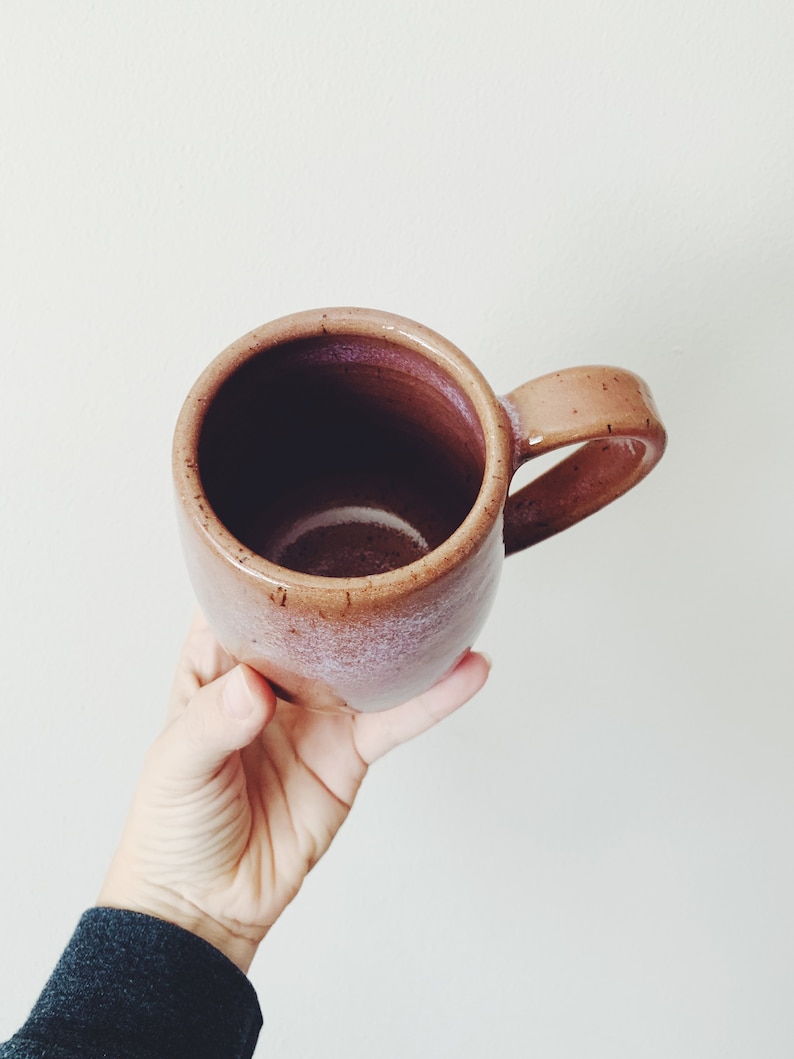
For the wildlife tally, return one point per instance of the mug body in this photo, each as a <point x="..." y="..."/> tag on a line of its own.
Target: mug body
<point x="341" y="476"/>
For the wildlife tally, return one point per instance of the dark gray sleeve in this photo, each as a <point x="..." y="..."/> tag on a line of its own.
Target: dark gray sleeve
<point x="132" y="987"/>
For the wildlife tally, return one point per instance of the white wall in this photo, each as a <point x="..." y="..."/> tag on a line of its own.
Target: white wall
<point x="595" y="857"/>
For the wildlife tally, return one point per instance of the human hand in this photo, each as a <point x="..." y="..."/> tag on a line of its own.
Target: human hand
<point x="241" y="796"/>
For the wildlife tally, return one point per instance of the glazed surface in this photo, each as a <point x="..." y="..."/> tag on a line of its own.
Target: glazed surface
<point x="341" y="458"/>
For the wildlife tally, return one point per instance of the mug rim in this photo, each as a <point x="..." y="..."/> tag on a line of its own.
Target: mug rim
<point x="401" y="331"/>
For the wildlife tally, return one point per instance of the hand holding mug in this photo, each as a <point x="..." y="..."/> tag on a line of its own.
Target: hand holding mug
<point x="238" y="800"/>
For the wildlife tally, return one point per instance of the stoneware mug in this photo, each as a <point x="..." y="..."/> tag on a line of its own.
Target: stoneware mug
<point x="342" y="483"/>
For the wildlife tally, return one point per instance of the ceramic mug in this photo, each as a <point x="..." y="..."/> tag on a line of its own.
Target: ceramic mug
<point x="342" y="483"/>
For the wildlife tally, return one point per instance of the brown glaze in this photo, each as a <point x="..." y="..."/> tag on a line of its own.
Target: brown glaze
<point x="341" y="478"/>
<point x="612" y="414"/>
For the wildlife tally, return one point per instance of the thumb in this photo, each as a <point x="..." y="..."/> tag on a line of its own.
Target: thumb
<point x="222" y="717"/>
<point x="377" y="733"/>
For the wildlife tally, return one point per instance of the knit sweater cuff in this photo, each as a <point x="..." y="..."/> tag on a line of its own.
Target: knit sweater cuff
<point x="134" y="987"/>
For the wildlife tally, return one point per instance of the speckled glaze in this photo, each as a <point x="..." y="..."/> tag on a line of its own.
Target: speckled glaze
<point x="370" y="642"/>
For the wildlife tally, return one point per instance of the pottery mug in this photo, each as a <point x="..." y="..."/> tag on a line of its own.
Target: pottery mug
<point x="342" y="483"/>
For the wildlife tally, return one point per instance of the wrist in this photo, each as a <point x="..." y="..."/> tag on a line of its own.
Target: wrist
<point x="176" y="909"/>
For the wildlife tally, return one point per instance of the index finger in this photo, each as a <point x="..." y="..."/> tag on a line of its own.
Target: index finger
<point x="201" y="660"/>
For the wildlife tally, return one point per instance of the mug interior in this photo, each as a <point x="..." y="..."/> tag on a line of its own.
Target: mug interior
<point x="340" y="455"/>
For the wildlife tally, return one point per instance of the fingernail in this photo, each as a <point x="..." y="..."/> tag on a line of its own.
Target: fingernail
<point x="488" y="659"/>
<point x="237" y="698"/>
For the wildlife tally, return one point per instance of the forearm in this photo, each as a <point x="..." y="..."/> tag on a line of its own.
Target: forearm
<point x="140" y="988"/>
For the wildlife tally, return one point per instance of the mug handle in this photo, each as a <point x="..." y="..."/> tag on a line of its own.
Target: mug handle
<point x="610" y="414"/>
